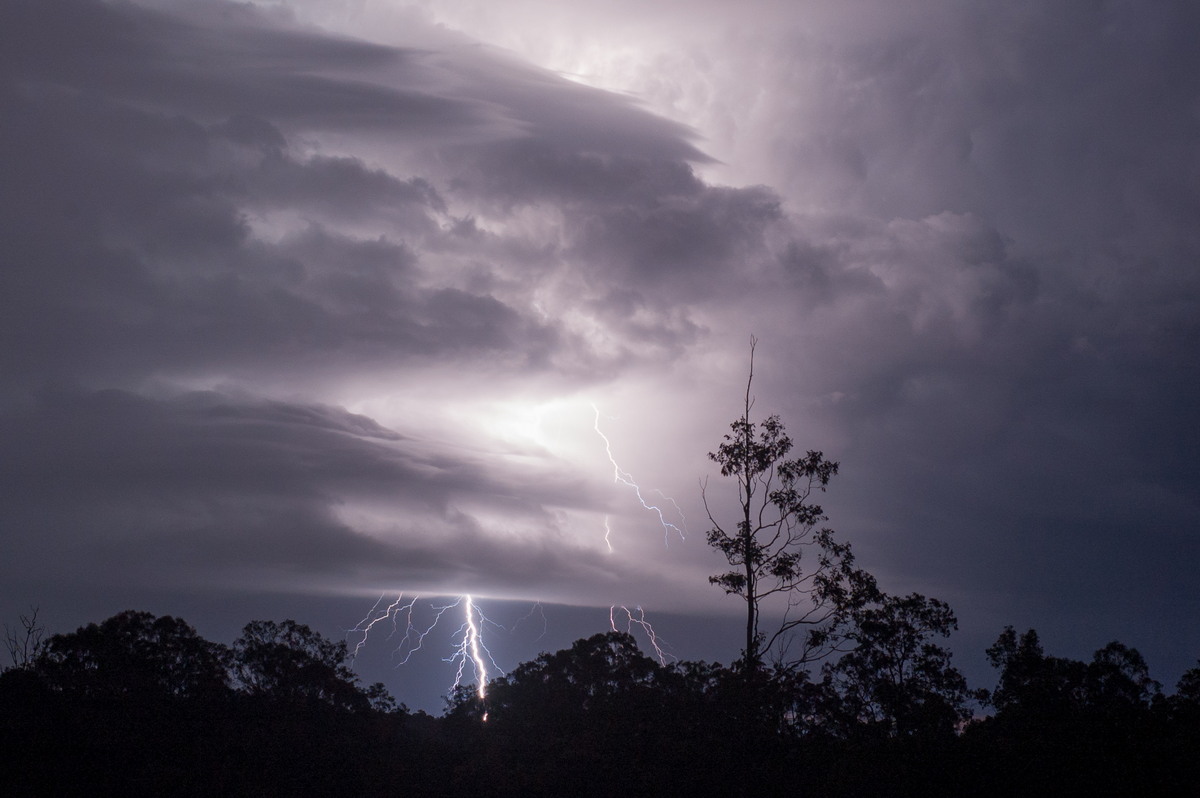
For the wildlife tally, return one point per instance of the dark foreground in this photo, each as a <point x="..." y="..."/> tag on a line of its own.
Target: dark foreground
<point x="143" y="706"/>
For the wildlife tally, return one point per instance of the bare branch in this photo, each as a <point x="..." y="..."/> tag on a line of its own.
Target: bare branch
<point x="25" y="644"/>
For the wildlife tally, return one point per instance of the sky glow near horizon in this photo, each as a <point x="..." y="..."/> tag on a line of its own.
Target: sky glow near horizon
<point x="317" y="299"/>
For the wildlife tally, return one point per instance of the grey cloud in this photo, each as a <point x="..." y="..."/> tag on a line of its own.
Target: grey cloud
<point x="644" y="240"/>
<point x="193" y="487"/>
<point x="543" y="169"/>
<point x="137" y="180"/>
<point x="1058" y="125"/>
<point x="225" y="60"/>
<point x="343" y="188"/>
<point x="972" y="277"/>
<point x="670" y="240"/>
<point x="127" y="250"/>
<point x="250" y="159"/>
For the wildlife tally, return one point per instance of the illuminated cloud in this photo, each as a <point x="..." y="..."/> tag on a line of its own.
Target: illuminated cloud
<point x="319" y="297"/>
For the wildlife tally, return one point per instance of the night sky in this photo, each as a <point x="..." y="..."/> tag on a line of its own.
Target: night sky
<point x="306" y="303"/>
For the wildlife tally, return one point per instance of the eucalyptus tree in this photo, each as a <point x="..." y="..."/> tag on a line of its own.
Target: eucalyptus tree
<point x="897" y="680"/>
<point x="782" y="557"/>
<point x="135" y="654"/>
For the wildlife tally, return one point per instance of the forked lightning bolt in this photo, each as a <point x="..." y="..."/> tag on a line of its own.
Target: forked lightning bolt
<point x="623" y="477"/>
<point x="469" y="646"/>
<point x="538" y="610"/>
<point x="392" y="613"/>
<point x="640" y="620"/>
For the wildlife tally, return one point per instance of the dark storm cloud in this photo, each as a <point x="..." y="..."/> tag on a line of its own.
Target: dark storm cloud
<point x="170" y="219"/>
<point x="996" y="295"/>
<point x="694" y="237"/>
<point x="135" y="157"/>
<point x="1013" y="437"/>
<point x="1016" y="440"/>
<point x="111" y="485"/>
<point x="642" y="219"/>
<point x="222" y="61"/>
<point x="645" y="239"/>
<point x="128" y="249"/>
<point x="973" y="273"/>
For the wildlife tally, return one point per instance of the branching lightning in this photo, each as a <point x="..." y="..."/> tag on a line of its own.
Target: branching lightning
<point x="469" y="646"/>
<point x="640" y="620"/>
<point x="623" y="477"/>
<point x="538" y="610"/>
<point x="374" y="617"/>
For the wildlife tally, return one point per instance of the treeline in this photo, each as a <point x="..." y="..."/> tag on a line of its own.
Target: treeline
<point x="142" y="705"/>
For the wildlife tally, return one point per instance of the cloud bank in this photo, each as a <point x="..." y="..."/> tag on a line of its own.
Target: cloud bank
<point x="328" y="308"/>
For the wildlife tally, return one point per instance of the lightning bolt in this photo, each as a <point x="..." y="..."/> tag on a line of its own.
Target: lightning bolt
<point x="537" y="609"/>
<point x="640" y="620"/>
<point x="368" y="623"/>
<point x="469" y="646"/>
<point x="674" y="504"/>
<point x="623" y="477"/>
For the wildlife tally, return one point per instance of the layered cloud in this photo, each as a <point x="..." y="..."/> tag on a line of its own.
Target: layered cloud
<point x="202" y="272"/>
<point x="346" y="311"/>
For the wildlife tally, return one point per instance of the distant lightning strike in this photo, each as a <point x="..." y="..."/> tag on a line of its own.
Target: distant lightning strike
<point x="469" y="646"/>
<point x="391" y="613"/>
<point x="623" y="477"/>
<point x="640" y="620"/>
<point x="538" y="610"/>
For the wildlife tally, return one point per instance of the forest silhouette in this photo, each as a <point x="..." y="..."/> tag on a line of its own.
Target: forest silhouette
<point x="841" y="689"/>
<point x="852" y="694"/>
<point x="143" y="705"/>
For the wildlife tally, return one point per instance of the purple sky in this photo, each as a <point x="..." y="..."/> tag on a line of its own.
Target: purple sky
<point x="303" y="303"/>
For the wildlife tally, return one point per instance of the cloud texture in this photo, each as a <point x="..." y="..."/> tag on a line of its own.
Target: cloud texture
<point x="343" y="309"/>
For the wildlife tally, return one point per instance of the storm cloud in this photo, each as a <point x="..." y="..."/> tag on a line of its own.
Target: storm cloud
<point x="331" y="300"/>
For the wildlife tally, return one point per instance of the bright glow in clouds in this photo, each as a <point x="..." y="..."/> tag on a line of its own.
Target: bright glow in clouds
<point x="520" y="427"/>
<point x="291" y="311"/>
<point x="660" y="54"/>
<point x="623" y="477"/>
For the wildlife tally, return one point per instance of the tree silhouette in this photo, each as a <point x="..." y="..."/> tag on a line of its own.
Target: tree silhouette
<point x="1067" y="726"/>
<point x="288" y="661"/>
<point x="1188" y="687"/>
<point x="26" y="644"/>
<point x="896" y="680"/>
<point x="141" y="705"/>
<point x="1033" y="683"/>
<point x="778" y="548"/>
<point x="590" y="676"/>
<point x="1118" y="678"/>
<point x="135" y="653"/>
